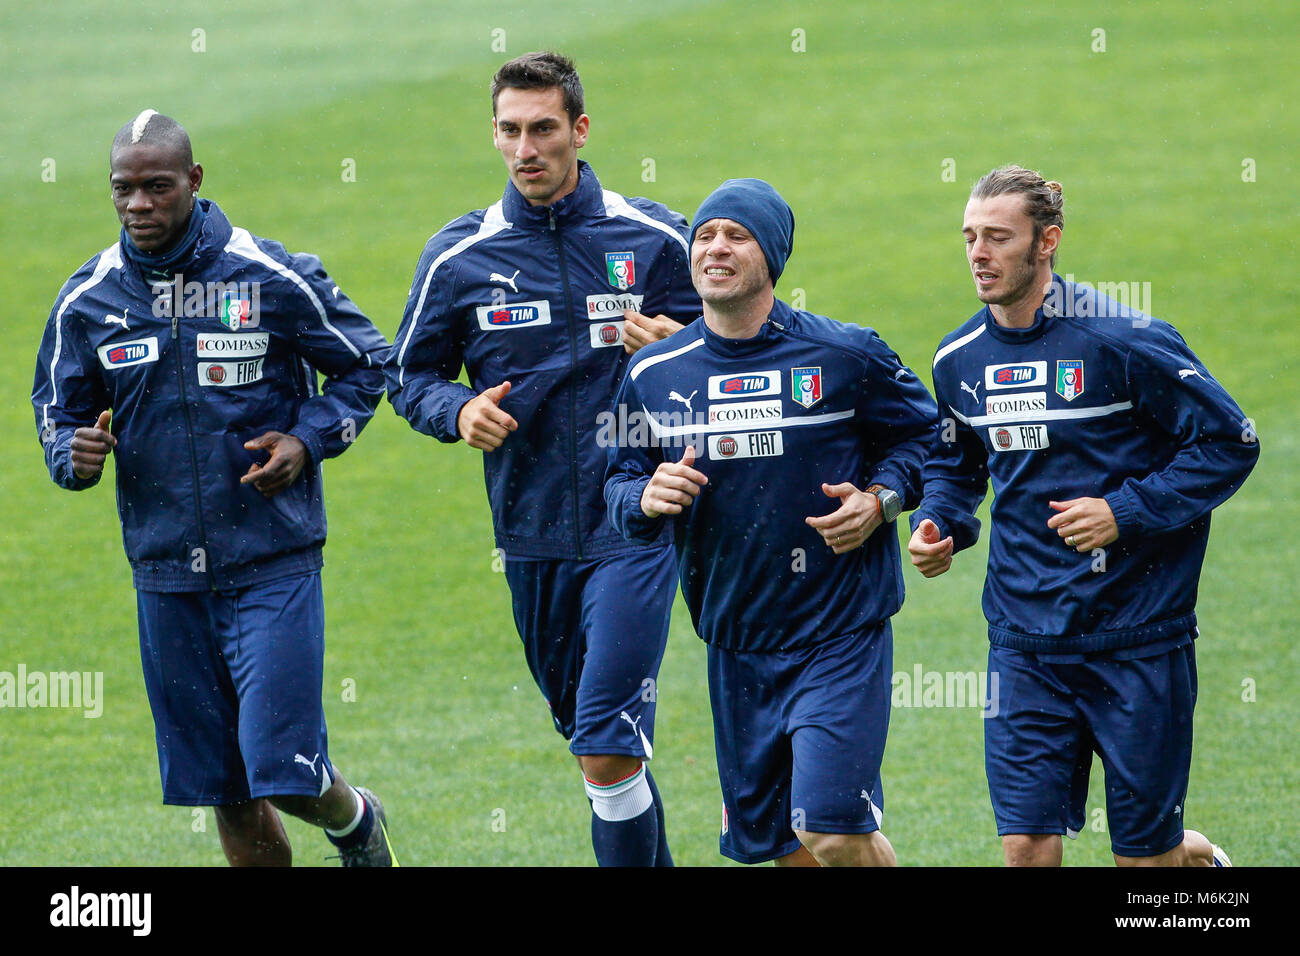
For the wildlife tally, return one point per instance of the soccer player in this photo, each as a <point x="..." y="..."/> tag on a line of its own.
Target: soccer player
<point x="202" y="343"/>
<point x="541" y="297"/>
<point x="1108" y="444"/>
<point x="803" y="440"/>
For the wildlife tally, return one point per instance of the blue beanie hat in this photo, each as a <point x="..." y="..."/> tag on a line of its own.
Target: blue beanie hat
<point x="760" y="209"/>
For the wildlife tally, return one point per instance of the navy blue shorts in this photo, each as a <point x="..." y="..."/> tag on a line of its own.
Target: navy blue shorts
<point x="594" y="634"/>
<point x="1049" y="719"/>
<point x="800" y="735"/>
<point x="234" y="683"/>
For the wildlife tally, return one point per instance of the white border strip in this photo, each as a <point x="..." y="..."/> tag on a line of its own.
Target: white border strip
<point x="655" y="360"/>
<point x="704" y="428"/>
<point x="241" y="244"/>
<point x="953" y="346"/>
<point x="110" y="258"/>
<point x="617" y="205"/>
<point x="1060" y="414"/>
<point x="494" y="221"/>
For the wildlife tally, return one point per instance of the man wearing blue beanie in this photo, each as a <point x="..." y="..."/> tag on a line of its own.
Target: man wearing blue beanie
<point x="759" y="419"/>
<point x="760" y="209"/>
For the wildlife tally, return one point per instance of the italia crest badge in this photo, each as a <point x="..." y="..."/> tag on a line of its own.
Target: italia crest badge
<point x="1069" y="379"/>
<point x="237" y="313"/>
<point x="621" y="269"/>
<point x="806" y="385"/>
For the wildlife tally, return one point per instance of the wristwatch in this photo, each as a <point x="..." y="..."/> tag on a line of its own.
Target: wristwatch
<point x="891" y="506"/>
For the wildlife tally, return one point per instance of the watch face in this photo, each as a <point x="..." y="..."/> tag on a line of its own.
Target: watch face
<point x="890" y="504"/>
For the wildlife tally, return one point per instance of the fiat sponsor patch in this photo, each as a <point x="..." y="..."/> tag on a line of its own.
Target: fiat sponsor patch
<point x="606" y="335"/>
<point x="230" y="374"/>
<point x="746" y="445"/>
<point x="1018" y="437"/>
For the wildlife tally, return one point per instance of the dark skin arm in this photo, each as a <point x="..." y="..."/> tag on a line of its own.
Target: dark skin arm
<point x="288" y="456"/>
<point x="91" y="446"/>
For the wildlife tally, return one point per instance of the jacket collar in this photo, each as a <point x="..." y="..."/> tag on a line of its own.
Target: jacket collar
<point x="780" y="320"/>
<point x="1044" y="316"/>
<point x="586" y="200"/>
<point x="194" y="252"/>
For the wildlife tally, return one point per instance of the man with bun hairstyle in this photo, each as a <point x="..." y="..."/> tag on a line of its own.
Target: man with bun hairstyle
<point x="1108" y="444"/>
<point x="802" y="441"/>
<point x="202" y="343"/>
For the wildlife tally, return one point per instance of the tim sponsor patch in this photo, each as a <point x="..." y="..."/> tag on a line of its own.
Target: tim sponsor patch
<point x="1017" y="375"/>
<point x="514" y="315"/>
<point x="746" y="445"/>
<point x="611" y="306"/>
<point x="230" y="374"/>
<point x="122" y="354"/>
<point x="745" y="384"/>
<point x="1018" y="437"/>
<point x="231" y="344"/>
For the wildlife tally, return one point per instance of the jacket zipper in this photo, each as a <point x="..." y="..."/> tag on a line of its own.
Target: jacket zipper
<point x="573" y="385"/>
<point x="194" y="461"/>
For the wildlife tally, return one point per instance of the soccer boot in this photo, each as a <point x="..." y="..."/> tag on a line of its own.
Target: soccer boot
<point x="377" y="850"/>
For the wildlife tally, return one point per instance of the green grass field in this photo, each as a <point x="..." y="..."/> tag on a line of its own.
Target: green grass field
<point x="857" y="130"/>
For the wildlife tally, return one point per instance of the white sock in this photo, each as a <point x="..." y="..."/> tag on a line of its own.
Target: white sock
<point x="361" y="811"/>
<point x="625" y="799"/>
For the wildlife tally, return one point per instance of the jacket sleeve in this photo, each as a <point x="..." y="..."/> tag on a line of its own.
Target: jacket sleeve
<point x="899" y="417"/>
<point x="1216" y="442"/>
<point x="954" y="480"/>
<point x="68" y="393"/>
<point x="337" y="339"/>
<point x="428" y="353"/>
<point x="629" y="464"/>
<point x="683" y="301"/>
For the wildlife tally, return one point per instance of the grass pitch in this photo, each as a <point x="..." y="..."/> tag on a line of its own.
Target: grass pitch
<point x="1173" y="131"/>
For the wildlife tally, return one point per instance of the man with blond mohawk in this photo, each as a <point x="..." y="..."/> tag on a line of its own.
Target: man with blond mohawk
<point x="1108" y="444"/>
<point x="202" y="344"/>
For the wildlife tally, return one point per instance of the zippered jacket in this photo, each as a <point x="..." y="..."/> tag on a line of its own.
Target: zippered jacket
<point x="534" y="295"/>
<point x="806" y="401"/>
<point x="192" y="369"/>
<point x="1093" y="400"/>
